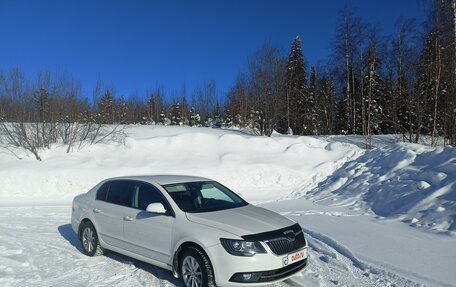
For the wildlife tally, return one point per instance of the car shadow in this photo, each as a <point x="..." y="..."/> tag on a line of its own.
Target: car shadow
<point x="157" y="272"/>
<point x="68" y="234"/>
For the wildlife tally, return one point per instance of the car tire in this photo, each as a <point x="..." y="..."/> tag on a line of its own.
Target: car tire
<point x="89" y="240"/>
<point x="194" y="265"/>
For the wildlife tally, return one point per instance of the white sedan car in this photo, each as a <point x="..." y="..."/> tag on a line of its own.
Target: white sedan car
<point x="197" y="228"/>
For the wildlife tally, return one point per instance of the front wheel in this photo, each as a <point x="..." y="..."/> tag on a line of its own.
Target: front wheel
<point x="89" y="240"/>
<point x="196" y="269"/>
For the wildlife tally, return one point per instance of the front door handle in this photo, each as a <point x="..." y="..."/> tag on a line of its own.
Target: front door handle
<point x="128" y="218"/>
<point x="96" y="210"/>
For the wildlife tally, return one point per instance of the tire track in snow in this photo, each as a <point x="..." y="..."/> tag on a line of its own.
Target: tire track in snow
<point x="335" y="265"/>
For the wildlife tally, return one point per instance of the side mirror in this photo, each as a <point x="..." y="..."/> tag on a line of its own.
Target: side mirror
<point x="156" y="208"/>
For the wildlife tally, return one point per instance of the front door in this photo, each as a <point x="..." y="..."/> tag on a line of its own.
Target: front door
<point x="149" y="234"/>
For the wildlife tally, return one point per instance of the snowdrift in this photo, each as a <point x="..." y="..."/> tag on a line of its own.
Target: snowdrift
<point x="261" y="168"/>
<point x="412" y="182"/>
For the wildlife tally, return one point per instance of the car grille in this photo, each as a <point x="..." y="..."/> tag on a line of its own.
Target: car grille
<point x="283" y="245"/>
<point x="281" y="241"/>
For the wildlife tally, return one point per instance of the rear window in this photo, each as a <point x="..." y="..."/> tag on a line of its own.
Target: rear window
<point x="103" y="191"/>
<point x="120" y="192"/>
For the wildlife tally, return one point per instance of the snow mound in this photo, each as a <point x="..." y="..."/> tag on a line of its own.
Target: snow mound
<point x="412" y="182"/>
<point x="261" y="168"/>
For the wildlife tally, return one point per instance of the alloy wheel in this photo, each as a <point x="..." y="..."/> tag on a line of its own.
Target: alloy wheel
<point x="191" y="271"/>
<point x="88" y="239"/>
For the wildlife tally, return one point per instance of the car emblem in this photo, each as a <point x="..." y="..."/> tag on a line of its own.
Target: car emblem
<point x="290" y="235"/>
<point x="285" y="261"/>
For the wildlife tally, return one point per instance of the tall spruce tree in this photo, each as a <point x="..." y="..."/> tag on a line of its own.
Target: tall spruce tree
<point x="374" y="91"/>
<point x="296" y="80"/>
<point x="184" y="111"/>
<point x="176" y="114"/>
<point x="121" y="111"/>
<point x="217" y="118"/>
<point x="106" y="109"/>
<point x="227" y="118"/>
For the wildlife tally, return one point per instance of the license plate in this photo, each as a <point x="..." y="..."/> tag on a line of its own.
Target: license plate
<point x="294" y="257"/>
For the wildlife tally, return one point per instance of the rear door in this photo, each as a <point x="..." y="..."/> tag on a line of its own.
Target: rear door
<point x="113" y="200"/>
<point x="148" y="234"/>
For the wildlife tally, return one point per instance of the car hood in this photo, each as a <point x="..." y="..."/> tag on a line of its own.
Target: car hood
<point x="242" y="221"/>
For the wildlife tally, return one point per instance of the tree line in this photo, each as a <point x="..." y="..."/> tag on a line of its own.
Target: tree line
<point x="401" y="84"/>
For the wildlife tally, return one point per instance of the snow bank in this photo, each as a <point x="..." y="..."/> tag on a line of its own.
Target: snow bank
<point x="412" y="182"/>
<point x="261" y="168"/>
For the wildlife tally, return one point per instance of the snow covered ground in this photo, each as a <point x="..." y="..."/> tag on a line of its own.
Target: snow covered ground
<point x="383" y="217"/>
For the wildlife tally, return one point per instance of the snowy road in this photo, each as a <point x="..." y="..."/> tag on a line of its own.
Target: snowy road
<point x="383" y="249"/>
<point x="39" y="248"/>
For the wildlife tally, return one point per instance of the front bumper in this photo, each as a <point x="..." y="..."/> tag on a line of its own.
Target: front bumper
<point x="265" y="269"/>
<point x="271" y="275"/>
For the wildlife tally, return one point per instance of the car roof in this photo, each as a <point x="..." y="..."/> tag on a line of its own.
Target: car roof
<point x="163" y="179"/>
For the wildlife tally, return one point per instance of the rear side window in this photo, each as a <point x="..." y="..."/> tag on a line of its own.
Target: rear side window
<point x="120" y="192"/>
<point x="103" y="191"/>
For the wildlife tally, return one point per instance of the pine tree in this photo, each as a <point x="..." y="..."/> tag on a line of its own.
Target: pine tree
<point x="176" y="114"/>
<point x="374" y="91"/>
<point x="162" y="118"/>
<point x="194" y="118"/>
<point x="184" y="112"/>
<point x="121" y="110"/>
<point x="227" y="118"/>
<point x="254" y="120"/>
<point x="217" y="118"/>
<point x="106" y="109"/>
<point x="343" y="116"/>
<point x="296" y="88"/>
<point x="151" y="105"/>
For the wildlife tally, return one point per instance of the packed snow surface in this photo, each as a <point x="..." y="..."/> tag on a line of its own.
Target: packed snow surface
<point x="379" y="217"/>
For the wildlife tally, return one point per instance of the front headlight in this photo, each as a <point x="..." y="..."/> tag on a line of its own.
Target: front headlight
<point x="242" y="247"/>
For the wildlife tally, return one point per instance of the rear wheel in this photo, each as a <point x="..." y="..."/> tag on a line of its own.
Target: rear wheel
<point x="89" y="240"/>
<point x="196" y="269"/>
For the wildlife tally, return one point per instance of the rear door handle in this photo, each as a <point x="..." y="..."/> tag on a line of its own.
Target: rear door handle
<point x="96" y="210"/>
<point x="127" y="218"/>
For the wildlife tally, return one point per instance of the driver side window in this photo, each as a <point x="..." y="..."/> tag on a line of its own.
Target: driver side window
<point x="145" y="194"/>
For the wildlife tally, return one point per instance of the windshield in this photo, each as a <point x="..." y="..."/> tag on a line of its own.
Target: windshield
<point x="203" y="196"/>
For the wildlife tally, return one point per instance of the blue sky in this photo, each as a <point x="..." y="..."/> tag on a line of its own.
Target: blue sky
<point x="138" y="45"/>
